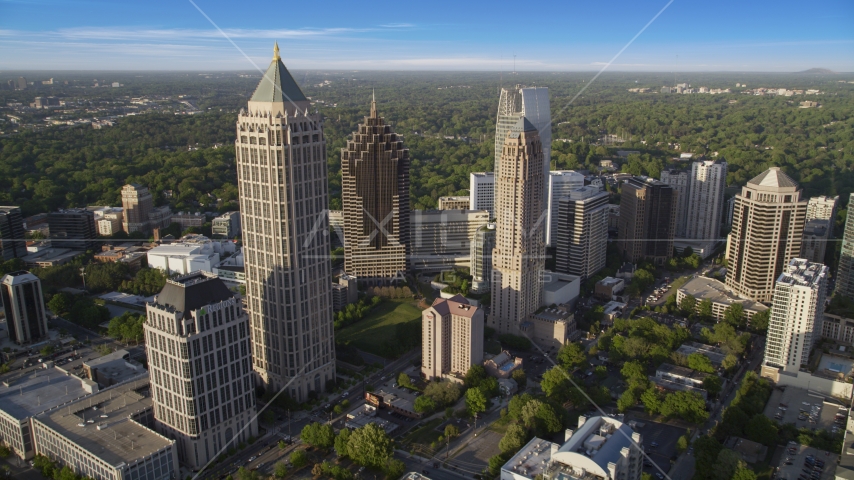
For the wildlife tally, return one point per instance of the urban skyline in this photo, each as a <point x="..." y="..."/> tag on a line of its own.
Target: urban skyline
<point x="346" y="312"/>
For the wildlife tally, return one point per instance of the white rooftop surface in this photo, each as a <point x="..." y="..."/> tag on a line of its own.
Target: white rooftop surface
<point x="112" y="435"/>
<point x="39" y="391"/>
<point x="598" y="449"/>
<point x="802" y="273"/>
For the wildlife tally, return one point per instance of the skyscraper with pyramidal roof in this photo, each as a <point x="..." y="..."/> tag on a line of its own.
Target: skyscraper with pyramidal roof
<point x="281" y="169"/>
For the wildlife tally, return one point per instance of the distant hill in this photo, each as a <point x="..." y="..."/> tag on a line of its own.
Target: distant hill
<point x="821" y="71"/>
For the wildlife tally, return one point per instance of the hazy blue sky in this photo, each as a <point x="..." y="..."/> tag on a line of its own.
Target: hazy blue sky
<point x="722" y="35"/>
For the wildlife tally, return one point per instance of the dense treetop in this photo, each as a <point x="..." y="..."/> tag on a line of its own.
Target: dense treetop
<point x="447" y="120"/>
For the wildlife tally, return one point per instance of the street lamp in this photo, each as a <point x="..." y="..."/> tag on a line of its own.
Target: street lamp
<point x="83" y="274"/>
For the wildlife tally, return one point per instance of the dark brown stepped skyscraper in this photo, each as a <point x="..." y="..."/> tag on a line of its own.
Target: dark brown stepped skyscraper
<point x="375" y="179"/>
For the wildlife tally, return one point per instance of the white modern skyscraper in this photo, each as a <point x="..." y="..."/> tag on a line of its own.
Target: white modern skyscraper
<point x="582" y="234"/>
<point x="822" y="207"/>
<point x="561" y="182"/>
<point x="281" y="171"/>
<point x="705" y="200"/>
<point x="533" y="104"/>
<point x="518" y="259"/>
<point x="197" y="343"/>
<point x="680" y="180"/>
<point x="482" y="192"/>
<point x="795" y="321"/>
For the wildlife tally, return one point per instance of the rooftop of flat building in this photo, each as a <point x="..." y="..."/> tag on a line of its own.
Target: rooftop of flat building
<point x="677" y="370"/>
<point x="456" y="305"/>
<point x="705" y="288"/>
<point x="101" y="423"/>
<point x="610" y="281"/>
<point x="553" y="313"/>
<point x="816" y="227"/>
<point x="38" y="391"/>
<point x="800" y="272"/>
<point x="715" y="354"/>
<point x="532" y="459"/>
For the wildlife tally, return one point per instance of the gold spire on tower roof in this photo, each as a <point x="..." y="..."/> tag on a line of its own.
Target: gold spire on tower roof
<point x="373" y="104"/>
<point x="276" y="56"/>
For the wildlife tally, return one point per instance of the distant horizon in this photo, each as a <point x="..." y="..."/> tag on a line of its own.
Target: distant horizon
<point x="349" y="70"/>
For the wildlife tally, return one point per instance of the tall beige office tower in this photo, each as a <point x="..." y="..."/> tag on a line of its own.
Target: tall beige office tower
<point x="518" y="259"/>
<point x="796" y="317"/>
<point x="197" y="343"/>
<point x="137" y="203"/>
<point x="375" y="195"/>
<point x="767" y="228"/>
<point x="452" y="338"/>
<point x="281" y="176"/>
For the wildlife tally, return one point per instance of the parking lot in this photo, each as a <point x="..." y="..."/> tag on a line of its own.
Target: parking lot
<point x="806" y="463"/>
<point x="659" y="443"/>
<point x="804" y="410"/>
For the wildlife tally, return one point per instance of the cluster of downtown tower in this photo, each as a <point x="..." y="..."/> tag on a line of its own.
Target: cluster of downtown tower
<point x="282" y="179"/>
<point x="284" y="326"/>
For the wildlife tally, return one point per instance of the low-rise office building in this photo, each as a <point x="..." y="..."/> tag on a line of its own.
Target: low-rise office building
<point x="551" y="327"/>
<point x="608" y="288"/>
<point x="188" y="220"/>
<point x="112" y="369"/>
<point x="192" y="253"/>
<point x="23" y="396"/>
<point x="714" y="354"/>
<point x="394" y="399"/>
<point x="226" y="225"/>
<point x="454" y="203"/>
<point x="704" y="288"/>
<point x="601" y="448"/>
<point x="108" y="436"/>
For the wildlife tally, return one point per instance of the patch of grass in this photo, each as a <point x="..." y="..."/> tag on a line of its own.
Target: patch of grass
<point x="492" y="346"/>
<point x="500" y="425"/>
<point x="678" y="283"/>
<point x="425" y="434"/>
<point x="378" y="326"/>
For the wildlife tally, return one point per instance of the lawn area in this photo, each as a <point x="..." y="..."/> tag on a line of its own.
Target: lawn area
<point x="378" y="326"/>
<point x="679" y="282"/>
<point x="424" y="435"/>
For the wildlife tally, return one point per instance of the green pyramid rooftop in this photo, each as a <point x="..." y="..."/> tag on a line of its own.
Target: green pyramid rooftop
<point x="278" y="85"/>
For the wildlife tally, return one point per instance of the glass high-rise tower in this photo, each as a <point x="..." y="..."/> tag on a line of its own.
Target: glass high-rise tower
<point x="282" y="181"/>
<point x="533" y="104"/>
